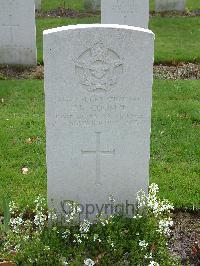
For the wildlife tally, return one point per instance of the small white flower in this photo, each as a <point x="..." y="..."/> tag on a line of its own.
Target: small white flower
<point x="39" y="220"/>
<point x="111" y="198"/>
<point x="16" y="223"/>
<point x="137" y="216"/>
<point x="143" y="244"/>
<point x="89" y="262"/>
<point x="85" y="226"/>
<point x="148" y="256"/>
<point x="153" y="263"/>
<point x="12" y="207"/>
<point x="96" y="238"/>
<point x="141" y="199"/>
<point x="46" y="248"/>
<point x="77" y="239"/>
<point x="164" y="226"/>
<point x="153" y="188"/>
<point x="65" y="234"/>
<point x="52" y="216"/>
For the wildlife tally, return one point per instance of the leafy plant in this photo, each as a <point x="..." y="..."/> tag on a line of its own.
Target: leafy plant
<point x="41" y="239"/>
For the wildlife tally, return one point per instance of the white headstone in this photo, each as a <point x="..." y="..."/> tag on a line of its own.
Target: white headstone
<point x="169" y="5"/>
<point x="98" y="81"/>
<point x="92" y="5"/>
<point x="125" y="12"/>
<point x="17" y="32"/>
<point x="37" y="4"/>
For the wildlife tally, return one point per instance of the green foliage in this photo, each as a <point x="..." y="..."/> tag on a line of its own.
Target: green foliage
<point x="116" y="240"/>
<point x="53" y="4"/>
<point x="78" y="4"/>
<point x="177" y="39"/>
<point x="175" y="138"/>
<point x="6" y="214"/>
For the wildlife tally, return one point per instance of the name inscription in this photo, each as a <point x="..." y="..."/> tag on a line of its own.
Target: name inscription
<point x="99" y="111"/>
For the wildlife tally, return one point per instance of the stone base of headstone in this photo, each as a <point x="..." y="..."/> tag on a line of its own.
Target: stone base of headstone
<point x="92" y="5"/>
<point x="169" y="5"/>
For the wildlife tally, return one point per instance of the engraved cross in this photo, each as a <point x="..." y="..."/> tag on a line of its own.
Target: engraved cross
<point x="98" y="152"/>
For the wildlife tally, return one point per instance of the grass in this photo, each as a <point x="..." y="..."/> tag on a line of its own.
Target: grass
<point x="49" y="23"/>
<point x="190" y="4"/>
<point x="177" y="39"/>
<point x="175" y="149"/>
<point x="52" y="4"/>
<point x="22" y="116"/>
<point x="78" y="4"/>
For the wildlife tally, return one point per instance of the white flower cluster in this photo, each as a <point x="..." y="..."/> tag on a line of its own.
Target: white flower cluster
<point x="141" y="199"/>
<point x="111" y="198"/>
<point x="66" y="234"/>
<point x="77" y="239"/>
<point x="158" y="207"/>
<point x="137" y="216"/>
<point x="152" y="202"/>
<point x="74" y="211"/>
<point x="110" y="242"/>
<point x="85" y="227"/>
<point x="89" y="262"/>
<point x="153" y="263"/>
<point x="164" y="226"/>
<point x="40" y="202"/>
<point x="65" y="263"/>
<point x="148" y="256"/>
<point x="40" y="218"/>
<point x="52" y="216"/>
<point x="12" y="207"/>
<point x="96" y="238"/>
<point x="143" y="244"/>
<point x="16" y="223"/>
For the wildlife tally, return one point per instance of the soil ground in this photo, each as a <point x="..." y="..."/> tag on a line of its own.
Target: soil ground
<point x="185" y="240"/>
<point x="183" y="71"/>
<point x="70" y="13"/>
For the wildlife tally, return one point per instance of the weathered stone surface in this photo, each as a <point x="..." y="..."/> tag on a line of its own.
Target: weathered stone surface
<point x="169" y="5"/>
<point x="98" y="81"/>
<point x="125" y="12"/>
<point x="92" y="5"/>
<point x="37" y="4"/>
<point x="17" y="32"/>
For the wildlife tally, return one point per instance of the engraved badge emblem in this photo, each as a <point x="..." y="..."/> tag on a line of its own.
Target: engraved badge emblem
<point x="98" y="68"/>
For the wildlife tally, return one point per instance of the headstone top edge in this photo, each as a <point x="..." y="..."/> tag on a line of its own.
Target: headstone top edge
<point x="90" y="26"/>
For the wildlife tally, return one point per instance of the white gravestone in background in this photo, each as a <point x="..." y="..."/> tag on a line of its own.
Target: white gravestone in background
<point x="169" y="5"/>
<point x="125" y="12"/>
<point x="92" y="5"/>
<point x="37" y="4"/>
<point x="17" y="32"/>
<point x="98" y="82"/>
